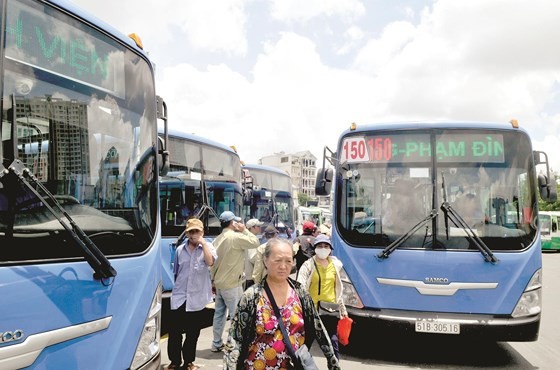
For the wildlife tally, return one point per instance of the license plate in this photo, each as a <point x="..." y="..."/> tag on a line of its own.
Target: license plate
<point x="425" y="326"/>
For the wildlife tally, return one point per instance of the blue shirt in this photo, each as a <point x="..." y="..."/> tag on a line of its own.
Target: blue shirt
<point x="192" y="278"/>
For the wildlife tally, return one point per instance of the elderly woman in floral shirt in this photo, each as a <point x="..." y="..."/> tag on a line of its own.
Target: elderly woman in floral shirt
<point x="255" y="340"/>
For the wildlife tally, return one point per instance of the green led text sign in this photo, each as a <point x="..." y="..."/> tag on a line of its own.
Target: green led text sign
<point x="464" y="147"/>
<point x="48" y="43"/>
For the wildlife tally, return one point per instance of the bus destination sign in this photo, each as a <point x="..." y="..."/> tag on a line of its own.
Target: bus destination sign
<point x="405" y="148"/>
<point x="61" y="48"/>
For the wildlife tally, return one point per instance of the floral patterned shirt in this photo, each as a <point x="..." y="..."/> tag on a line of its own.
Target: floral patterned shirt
<point x="244" y="322"/>
<point x="268" y="349"/>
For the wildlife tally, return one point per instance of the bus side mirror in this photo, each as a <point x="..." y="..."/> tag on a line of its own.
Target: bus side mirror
<point x="247" y="196"/>
<point x="323" y="184"/>
<point x="163" y="153"/>
<point x="163" y="157"/>
<point x="547" y="188"/>
<point x="547" y="183"/>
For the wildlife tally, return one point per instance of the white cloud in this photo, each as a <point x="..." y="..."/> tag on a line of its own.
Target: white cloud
<point x="460" y="60"/>
<point x="293" y="102"/>
<point x="353" y="36"/>
<point x="302" y="11"/>
<point x="379" y="53"/>
<point x="474" y="60"/>
<point x="200" y="25"/>
<point x="216" y="25"/>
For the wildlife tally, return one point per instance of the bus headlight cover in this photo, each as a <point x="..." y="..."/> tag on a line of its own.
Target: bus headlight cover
<point x="349" y="294"/>
<point x="148" y="346"/>
<point x="530" y="302"/>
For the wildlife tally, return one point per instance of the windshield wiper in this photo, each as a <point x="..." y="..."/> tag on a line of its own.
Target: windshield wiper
<point x="205" y="207"/>
<point x="394" y="245"/>
<point x="183" y="236"/>
<point x="458" y="221"/>
<point x="95" y="258"/>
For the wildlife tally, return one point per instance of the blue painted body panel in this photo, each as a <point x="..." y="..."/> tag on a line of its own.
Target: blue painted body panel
<point x="512" y="273"/>
<point x="40" y="298"/>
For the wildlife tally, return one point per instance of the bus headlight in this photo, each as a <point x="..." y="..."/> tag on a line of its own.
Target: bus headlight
<point x="148" y="346"/>
<point x="530" y="302"/>
<point x="349" y="294"/>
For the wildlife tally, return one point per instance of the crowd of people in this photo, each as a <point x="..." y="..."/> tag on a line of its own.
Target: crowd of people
<point x="250" y="281"/>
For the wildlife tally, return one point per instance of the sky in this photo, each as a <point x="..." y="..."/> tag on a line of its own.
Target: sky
<point x="290" y="75"/>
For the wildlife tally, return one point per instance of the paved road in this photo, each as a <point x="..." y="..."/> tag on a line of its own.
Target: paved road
<point x="442" y="353"/>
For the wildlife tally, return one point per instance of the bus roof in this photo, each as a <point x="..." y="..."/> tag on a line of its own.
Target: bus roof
<point x="263" y="167"/>
<point x="177" y="134"/>
<point x="396" y="126"/>
<point x="550" y="213"/>
<point x="106" y="28"/>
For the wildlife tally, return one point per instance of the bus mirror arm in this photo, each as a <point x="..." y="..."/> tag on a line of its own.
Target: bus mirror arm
<point x="95" y="258"/>
<point x="163" y="157"/>
<point x="161" y="111"/>
<point x="394" y="245"/>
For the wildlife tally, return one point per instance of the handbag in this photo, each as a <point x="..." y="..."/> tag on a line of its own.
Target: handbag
<point x="302" y="358"/>
<point x="343" y="329"/>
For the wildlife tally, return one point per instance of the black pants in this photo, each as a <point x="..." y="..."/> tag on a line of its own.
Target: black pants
<point x="331" y="323"/>
<point x="190" y="323"/>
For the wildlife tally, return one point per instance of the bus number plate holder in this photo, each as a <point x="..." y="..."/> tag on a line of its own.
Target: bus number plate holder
<point x="438" y="327"/>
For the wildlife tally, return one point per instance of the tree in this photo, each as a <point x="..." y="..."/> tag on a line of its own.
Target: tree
<point x="303" y="199"/>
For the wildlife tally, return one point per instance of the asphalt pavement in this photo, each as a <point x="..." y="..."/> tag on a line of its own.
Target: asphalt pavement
<point x="208" y="360"/>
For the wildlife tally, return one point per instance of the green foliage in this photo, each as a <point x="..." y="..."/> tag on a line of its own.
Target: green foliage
<point x="303" y="199"/>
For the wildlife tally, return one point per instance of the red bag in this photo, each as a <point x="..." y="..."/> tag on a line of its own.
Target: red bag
<point x="343" y="329"/>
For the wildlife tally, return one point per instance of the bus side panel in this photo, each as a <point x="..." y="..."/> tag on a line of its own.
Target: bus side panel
<point x="41" y="298"/>
<point x="167" y="256"/>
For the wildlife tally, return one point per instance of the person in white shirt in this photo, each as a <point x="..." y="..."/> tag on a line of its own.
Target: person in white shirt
<point x="191" y="293"/>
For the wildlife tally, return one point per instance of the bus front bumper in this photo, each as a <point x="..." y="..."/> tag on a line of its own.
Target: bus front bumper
<point x="498" y="328"/>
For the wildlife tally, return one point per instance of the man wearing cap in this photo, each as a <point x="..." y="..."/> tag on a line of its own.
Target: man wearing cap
<point x="191" y="292"/>
<point x="254" y="226"/>
<point x="227" y="273"/>
<point x="305" y="243"/>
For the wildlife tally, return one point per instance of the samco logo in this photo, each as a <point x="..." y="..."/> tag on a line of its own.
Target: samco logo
<point x="436" y="280"/>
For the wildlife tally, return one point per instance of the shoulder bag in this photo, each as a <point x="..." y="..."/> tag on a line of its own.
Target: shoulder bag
<point x="301" y="359"/>
<point x="325" y="308"/>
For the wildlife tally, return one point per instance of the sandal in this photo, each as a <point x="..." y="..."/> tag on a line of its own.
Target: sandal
<point x="192" y="366"/>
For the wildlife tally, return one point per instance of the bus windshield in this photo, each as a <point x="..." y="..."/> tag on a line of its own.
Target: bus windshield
<point x="84" y="130"/>
<point x="204" y="181"/>
<point x="271" y="198"/>
<point x="391" y="181"/>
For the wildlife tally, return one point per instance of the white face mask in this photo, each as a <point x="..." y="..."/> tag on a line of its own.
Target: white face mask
<point x="322" y="253"/>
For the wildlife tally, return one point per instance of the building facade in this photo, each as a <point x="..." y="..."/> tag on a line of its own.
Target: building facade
<point x="302" y="166"/>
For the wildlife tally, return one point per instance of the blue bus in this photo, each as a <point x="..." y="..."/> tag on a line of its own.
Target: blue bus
<point x="80" y="267"/>
<point x="204" y="180"/>
<point x="268" y="197"/>
<point x="437" y="227"/>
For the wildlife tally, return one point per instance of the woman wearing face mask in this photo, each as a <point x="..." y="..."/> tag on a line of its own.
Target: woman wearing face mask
<point x="320" y="274"/>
